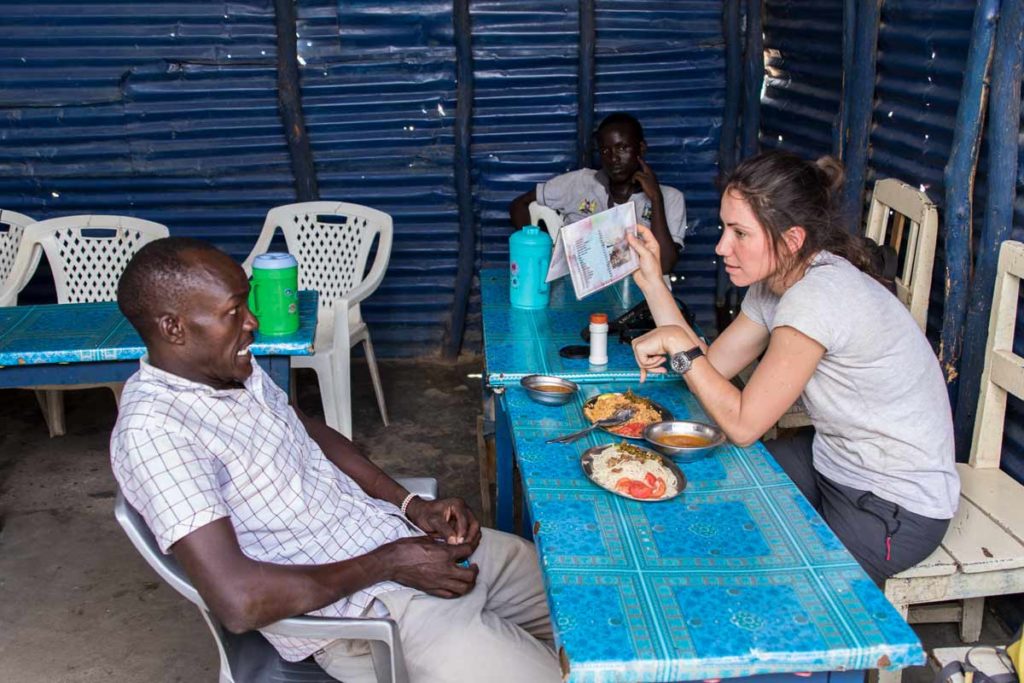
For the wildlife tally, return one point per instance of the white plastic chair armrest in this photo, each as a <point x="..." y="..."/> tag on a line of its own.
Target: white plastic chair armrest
<point x="331" y="628"/>
<point x="424" y="487"/>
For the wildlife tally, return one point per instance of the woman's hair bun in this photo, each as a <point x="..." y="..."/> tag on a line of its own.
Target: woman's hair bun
<point x="832" y="171"/>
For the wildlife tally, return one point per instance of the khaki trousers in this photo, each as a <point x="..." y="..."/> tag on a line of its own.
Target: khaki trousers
<point x="499" y="632"/>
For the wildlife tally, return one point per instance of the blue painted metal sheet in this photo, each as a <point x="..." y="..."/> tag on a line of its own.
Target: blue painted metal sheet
<point x="164" y="110"/>
<point x="922" y="55"/>
<point x="803" y="75"/>
<point x="378" y="93"/>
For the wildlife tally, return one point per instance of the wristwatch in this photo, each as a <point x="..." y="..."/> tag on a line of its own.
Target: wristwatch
<point x="682" y="362"/>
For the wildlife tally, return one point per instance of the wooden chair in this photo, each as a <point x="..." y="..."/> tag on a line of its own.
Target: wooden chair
<point x="914" y="229"/>
<point x="915" y="224"/>
<point x="983" y="551"/>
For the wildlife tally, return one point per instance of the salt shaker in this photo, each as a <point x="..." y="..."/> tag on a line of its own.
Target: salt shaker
<point x="598" y="339"/>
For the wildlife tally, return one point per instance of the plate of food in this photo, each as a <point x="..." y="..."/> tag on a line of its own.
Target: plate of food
<point x="645" y="412"/>
<point x="633" y="472"/>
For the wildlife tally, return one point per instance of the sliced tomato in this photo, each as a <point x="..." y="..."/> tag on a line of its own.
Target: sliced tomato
<point x="658" y="487"/>
<point x="650" y="478"/>
<point x="638" y="489"/>
<point x="622" y="485"/>
<point x="632" y="429"/>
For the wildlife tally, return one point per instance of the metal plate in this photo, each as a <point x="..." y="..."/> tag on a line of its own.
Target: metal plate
<point x="664" y="414"/>
<point x="587" y="463"/>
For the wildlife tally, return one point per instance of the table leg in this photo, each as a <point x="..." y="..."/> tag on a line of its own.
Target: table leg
<point x="504" y="490"/>
<point x="279" y="369"/>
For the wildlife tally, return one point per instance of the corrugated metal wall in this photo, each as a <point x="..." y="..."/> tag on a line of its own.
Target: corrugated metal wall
<point x="165" y="110"/>
<point x="168" y="110"/>
<point x="378" y="93"/>
<point x="803" y="45"/>
<point x="922" y="50"/>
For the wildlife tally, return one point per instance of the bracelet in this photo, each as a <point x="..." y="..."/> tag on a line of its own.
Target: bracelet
<point x="406" y="501"/>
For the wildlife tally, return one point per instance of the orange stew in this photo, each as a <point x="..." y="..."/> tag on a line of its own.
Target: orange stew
<point x="553" y="388"/>
<point x="683" y="440"/>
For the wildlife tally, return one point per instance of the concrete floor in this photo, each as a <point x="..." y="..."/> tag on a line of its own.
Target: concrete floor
<point x="78" y="604"/>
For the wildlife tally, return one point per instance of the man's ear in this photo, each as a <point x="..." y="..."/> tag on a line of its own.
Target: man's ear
<point x="794" y="238"/>
<point x="170" y="329"/>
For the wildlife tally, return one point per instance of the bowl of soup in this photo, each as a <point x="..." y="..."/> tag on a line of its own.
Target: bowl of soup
<point x="684" y="440"/>
<point x="549" y="390"/>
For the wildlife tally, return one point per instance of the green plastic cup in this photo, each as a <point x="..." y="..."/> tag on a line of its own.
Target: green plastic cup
<point x="274" y="293"/>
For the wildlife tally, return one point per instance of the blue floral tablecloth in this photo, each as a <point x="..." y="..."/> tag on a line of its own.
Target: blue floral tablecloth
<point x="737" y="576"/>
<point x="520" y="342"/>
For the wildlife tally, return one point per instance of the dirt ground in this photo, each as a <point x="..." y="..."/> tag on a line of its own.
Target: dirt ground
<point x="78" y="604"/>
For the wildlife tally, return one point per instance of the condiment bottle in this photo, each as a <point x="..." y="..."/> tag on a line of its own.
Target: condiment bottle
<point x="598" y="339"/>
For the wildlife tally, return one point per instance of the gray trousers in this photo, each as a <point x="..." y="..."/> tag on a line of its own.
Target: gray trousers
<point x="882" y="536"/>
<point x="499" y="632"/>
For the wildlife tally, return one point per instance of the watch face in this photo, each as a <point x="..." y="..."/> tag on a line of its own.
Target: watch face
<point x="680" y="362"/>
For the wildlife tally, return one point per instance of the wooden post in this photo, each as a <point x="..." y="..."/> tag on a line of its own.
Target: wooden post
<point x="289" y="103"/>
<point x="849" y="39"/>
<point x="730" y="121"/>
<point x="585" y="85"/>
<point x="753" y="79"/>
<point x="463" y="189"/>
<point x="1003" y="130"/>
<point x="860" y="105"/>
<point x="958" y="178"/>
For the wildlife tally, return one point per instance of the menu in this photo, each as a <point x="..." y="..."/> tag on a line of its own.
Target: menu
<point x="594" y="250"/>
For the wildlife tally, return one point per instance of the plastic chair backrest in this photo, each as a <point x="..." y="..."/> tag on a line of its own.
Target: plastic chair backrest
<point x="12" y="228"/>
<point x="916" y="240"/>
<point x="332" y="242"/>
<point x="551" y="219"/>
<point x="1004" y="370"/>
<point x="87" y="254"/>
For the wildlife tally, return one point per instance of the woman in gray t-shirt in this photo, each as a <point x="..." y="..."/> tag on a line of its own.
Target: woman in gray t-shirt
<point x="879" y="463"/>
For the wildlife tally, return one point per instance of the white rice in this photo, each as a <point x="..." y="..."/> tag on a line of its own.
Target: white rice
<point x="630" y="468"/>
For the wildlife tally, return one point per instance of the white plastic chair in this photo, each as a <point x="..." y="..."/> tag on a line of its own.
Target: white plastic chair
<point x="551" y="219"/>
<point x="249" y="657"/>
<point x="12" y="227"/>
<point x="331" y="241"/>
<point x="87" y="255"/>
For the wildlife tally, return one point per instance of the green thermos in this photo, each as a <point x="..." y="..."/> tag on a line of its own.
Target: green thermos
<point x="274" y="293"/>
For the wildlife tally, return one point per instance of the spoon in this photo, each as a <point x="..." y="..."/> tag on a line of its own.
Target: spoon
<point x="618" y="417"/>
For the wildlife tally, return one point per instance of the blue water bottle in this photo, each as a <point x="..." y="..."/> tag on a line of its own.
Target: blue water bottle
<point x="529" y="252"/>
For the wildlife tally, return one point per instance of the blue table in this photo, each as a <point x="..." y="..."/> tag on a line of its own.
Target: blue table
<point x="520" y="342"/>
<point x="736" y="577"/>
<point x="94" y="343"/>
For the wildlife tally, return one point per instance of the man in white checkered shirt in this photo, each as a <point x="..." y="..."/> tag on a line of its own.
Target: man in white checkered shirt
<point x="273" y="514"/>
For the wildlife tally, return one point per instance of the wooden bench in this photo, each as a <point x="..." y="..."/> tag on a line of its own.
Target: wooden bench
<point x="982" y="553"/>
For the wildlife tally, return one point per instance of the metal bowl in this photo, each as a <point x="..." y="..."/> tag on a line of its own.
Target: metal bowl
<point x="654" y="433"/>
<point x="534" y="383"/>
